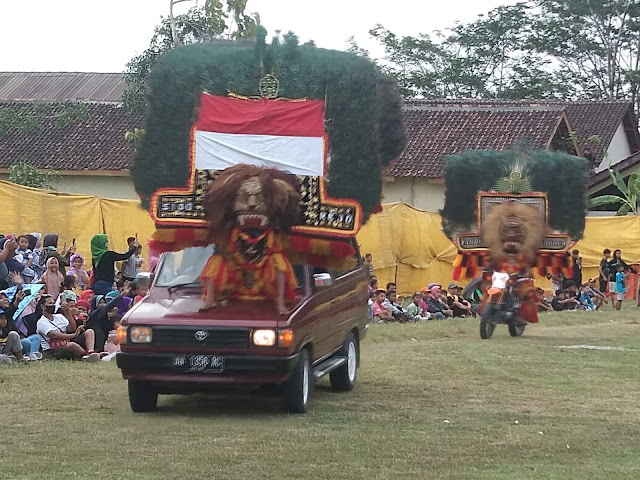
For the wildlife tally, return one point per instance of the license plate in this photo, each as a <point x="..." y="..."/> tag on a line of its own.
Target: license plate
<point x="199" y="363"/>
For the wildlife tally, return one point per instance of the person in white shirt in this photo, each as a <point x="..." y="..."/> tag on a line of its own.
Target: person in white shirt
<point x="59" y="336"/>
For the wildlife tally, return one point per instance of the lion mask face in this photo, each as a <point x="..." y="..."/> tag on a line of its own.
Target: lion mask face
<point x="252" y="198"/>
<point x="513" y="229"/>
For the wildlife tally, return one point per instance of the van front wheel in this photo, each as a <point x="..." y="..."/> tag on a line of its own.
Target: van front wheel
<point x="296" y="391"/>
<point x="142" y="397"/>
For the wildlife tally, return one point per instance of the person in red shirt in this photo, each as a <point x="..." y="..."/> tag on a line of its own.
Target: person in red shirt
<point x="380" y="314"/>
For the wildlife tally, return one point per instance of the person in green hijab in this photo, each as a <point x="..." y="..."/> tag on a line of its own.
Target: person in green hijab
<point x="104" y="260"/>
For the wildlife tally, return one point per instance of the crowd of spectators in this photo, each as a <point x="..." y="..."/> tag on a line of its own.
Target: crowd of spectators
<point x="569" y="293"/>
<point x="55" y="305"/>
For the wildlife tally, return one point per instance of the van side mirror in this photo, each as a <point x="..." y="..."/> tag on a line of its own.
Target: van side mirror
<point x="144" y="279"/>
<point x="321" y="280"/>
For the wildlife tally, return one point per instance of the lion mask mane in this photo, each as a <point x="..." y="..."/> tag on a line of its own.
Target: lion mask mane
<point x="513" y="228"/>
<point x="278" y="193"/>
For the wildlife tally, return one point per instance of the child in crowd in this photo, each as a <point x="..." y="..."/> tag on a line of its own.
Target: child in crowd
<point x="585" y="300"/>
<point x="52" y="278"/>
<point x="417" y="314"/>
<point x="621" y="288"/>
<point x="112" y="345"/>
<point x="83" y="307"/>
<point x="380" y="314"/>
<point x="373" y="286"/>
<point x="24" y="256"/>
<point x="82" y="278"/>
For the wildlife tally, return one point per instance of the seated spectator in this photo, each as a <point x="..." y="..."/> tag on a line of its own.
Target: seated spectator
<point x="585" y="299"/>
<point x="87" y="295"/>
<point x="102" y="314"/>
<point x="397" y="310"/>
<point x="563" y="302"/>
<point x="34" y="246"/>
<point x="380" y="314"/>
<point x="77" y="270"/>
<point x="10" y="341"/>
<point x="392" y="287"/>
<point x="112" y="345"/>
<point x="52" y="278"/>
<point x="543" y="304"/>
<point x="438" y="309"/>
<point x="460" y="307"/>
<point x="596" y="295"/>
<point x="83" y="310"/>
<point x="425" y="292"/>
<point x="61" y="339"/>
<point x="69" y="288"/>
<point x="416" y="313"/>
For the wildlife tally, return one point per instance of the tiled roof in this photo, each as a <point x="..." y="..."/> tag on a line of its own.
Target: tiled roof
<point x="61" y="86"/>
<point x="437" y="128"/>
<point x="623" y="166"/>
<point x="436" y="132"/>
<point x="92" y="142"/>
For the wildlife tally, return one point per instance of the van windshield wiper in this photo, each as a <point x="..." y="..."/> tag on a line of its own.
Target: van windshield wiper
<point x="177" y="286"/>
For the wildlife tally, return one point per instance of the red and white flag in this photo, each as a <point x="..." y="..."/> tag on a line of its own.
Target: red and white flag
<point x="285" y="135"/>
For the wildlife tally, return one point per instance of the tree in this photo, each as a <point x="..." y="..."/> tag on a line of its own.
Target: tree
<point x="535" y="48"/>
<point x="217" y="19"/>
<point x="25" y="173"/>
<point x="630" y="194"/>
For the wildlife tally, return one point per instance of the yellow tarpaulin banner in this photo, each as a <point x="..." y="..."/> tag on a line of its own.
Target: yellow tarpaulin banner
<point x="409" y="248"/>
<point x="407" y="244"/>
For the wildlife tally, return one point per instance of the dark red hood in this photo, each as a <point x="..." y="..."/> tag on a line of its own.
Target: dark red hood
<point x="181" y="308"/>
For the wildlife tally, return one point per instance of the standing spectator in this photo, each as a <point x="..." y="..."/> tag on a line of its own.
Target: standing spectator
<point x="50" y="246"/>
<point x="368" y="265"/>
<point x="61" y="339"/>
<point x="52" y="278"/>
<point x="613" y="270"/>
<point x="577" y="267"/>
<point x="556" y="282"/>
<point x="621" y="288"/>
<point x="24" y="255"/>
<point x="139" y="259"/>
<point x="380" y="314"/>
<point x="129" y="265"/>
<point x="603" y="271"/>
<point x="104" y="262"/>
<point x="34" y="246"/>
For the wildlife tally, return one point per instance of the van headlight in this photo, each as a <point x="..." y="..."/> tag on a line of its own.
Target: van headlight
<point x="140" y="334"/>
<point x="264" y="338"/>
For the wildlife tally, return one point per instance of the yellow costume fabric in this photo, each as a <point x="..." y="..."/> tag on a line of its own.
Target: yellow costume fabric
<point x="232" y="275"/>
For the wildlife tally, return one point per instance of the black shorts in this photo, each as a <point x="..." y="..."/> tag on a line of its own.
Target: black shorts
<point x="64" y="353"/>
<point x="604" y="286"/>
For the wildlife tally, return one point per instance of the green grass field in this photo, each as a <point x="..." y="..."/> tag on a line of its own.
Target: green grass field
<point x="432" y="401"/>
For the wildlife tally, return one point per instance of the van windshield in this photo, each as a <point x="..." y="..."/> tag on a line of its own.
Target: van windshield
<point x="183" y="268"/>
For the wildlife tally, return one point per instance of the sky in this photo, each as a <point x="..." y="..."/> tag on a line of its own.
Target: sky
<point x="103" y="35"/>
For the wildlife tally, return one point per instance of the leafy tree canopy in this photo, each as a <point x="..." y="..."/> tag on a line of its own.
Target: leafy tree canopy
<point x="533" y="49"/>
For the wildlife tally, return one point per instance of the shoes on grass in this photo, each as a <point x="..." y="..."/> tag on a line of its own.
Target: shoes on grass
<point x="91" y="357"/>
<point x="35" y="356"/>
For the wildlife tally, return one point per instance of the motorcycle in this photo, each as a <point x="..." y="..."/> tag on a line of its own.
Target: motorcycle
<point x="508" y="301"/>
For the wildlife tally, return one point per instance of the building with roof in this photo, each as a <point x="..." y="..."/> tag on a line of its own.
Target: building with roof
<point x="73" y="123"/>
<point x="605" y="132"/>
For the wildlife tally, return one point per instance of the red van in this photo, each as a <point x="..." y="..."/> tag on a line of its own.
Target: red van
<point x="169" y="347"/>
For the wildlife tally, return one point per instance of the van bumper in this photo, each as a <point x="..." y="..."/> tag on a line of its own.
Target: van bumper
<point x="241" y="369"/>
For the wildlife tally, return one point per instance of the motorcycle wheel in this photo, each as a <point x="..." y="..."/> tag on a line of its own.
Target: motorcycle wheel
<point x="487" y="321"/>
<point x="516" y="330"/>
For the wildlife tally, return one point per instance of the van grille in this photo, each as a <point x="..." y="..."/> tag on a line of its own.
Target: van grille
<point x="186" y="337"/>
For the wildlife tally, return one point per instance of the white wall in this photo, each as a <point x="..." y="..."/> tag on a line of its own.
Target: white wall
<point x="618" y="149"/>
<point x="97" y="185"/>
<point x="421" y="193"/>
